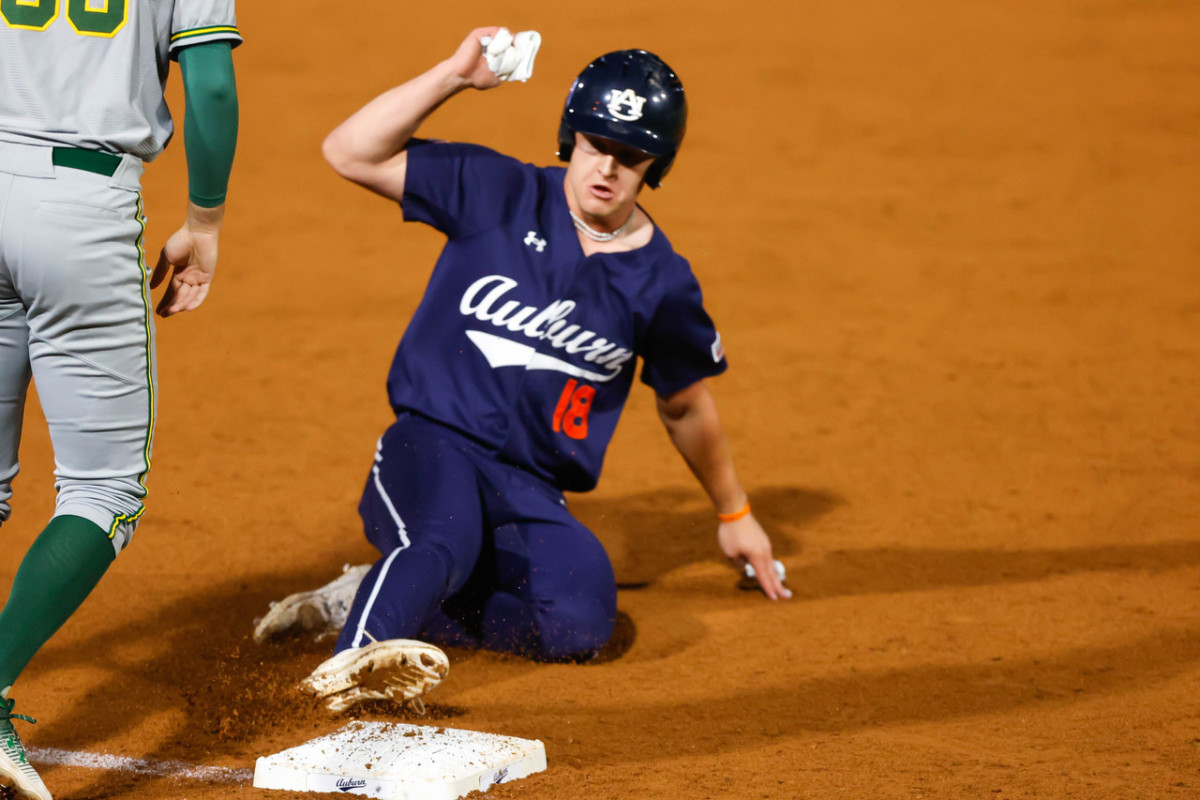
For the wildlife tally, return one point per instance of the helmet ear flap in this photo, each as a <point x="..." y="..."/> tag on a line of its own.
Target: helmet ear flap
<point x="566" y="142"/>
<point x="658" y="170"/>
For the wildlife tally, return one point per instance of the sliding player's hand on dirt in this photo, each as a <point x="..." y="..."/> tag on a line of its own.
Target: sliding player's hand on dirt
<point x="745" y="542"/>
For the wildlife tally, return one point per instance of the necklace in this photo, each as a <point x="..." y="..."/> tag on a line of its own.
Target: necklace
<point x="599" y="236"/>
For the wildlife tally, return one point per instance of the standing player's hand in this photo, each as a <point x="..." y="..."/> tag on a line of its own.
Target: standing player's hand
<point x="192" y="252"/>
<point x="745" y="542"/>
<point x="469" y="64"/>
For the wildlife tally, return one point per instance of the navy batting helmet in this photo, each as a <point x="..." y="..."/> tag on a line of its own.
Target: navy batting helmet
<point x="631" y="97"/>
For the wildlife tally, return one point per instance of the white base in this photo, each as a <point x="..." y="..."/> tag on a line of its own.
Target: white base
<point x="401" y="762"/>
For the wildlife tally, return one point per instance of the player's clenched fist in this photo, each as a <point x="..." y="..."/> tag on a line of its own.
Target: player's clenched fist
<point x="468" y="62"/>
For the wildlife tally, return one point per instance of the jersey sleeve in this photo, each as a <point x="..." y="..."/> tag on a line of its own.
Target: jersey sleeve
<point x="681" y="345"/>
<point x="461" y="189"/>
<point x="200" y="21"/>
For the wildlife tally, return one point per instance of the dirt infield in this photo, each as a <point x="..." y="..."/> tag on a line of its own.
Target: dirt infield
<point x="953" y="253"/>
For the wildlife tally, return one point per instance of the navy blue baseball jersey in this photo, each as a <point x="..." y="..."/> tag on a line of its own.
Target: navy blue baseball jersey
<point x="522" y="342"/>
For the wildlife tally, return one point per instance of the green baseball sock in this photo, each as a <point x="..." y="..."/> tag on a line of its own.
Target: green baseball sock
<point x="59" y="571"/>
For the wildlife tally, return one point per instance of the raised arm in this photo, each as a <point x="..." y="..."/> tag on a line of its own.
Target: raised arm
<point x="691" y="420"/>
<point x="369" y="147"/>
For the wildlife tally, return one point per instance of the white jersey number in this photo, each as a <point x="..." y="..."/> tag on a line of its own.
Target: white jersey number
<point x="105" y="19"/>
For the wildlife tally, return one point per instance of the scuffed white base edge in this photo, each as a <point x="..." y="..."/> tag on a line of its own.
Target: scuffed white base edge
<point x="393" y="761"/>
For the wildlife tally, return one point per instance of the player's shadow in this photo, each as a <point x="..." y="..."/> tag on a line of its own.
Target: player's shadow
<point x="650" y="534"/>
<point x="899" y="569"/>
<point x="191" y="660"/>
<point x="193" y="657"/>
<point x="751" y="717"/>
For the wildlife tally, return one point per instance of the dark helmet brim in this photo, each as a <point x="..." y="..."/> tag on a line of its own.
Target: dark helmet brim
<point x="626" y="133"/>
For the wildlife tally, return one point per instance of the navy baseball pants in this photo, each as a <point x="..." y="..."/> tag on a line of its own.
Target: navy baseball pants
<point x="476" y="553"/>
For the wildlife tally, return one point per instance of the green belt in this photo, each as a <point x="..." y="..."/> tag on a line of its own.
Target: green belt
<point x="90" y="160"/>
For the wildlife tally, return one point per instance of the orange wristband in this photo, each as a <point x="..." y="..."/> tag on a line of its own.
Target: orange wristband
<point x="736" y="515"/>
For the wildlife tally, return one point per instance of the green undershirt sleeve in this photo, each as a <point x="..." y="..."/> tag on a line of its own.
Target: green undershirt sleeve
<point x="210" y="124"/>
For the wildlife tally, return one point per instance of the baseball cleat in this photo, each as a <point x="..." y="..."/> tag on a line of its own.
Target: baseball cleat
<point x="400" y="670"/>
<point x="324" y="610"/>
<point x="18" y="778"/>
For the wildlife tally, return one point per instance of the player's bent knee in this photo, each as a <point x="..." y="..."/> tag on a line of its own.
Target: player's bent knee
<point x="576" y="646"/>
<point x="573" y="636"/>
<point x="111" y="506"/>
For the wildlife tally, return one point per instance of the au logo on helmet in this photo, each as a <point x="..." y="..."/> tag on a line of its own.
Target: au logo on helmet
<point x="631" y="97"/>
<point x="621" y="99"/>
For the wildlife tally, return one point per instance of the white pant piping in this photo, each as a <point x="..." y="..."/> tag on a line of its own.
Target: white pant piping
<point x="360" y="629"/>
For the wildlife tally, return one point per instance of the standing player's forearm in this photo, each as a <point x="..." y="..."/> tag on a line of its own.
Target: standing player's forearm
<point x="210" y="121"/>
<point x="205" y="219"/>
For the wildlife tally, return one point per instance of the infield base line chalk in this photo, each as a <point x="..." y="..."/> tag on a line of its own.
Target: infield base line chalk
<point x="139" y="766"/>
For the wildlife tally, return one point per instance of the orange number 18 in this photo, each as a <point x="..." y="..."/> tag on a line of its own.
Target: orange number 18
<point x="571" y="413"/>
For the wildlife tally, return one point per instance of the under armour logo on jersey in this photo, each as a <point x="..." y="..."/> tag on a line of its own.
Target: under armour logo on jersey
<point x="620" y="99"/>
<point x="532" y="240"/>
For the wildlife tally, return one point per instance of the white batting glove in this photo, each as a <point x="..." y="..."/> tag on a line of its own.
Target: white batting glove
<point x="511" y="57"/>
